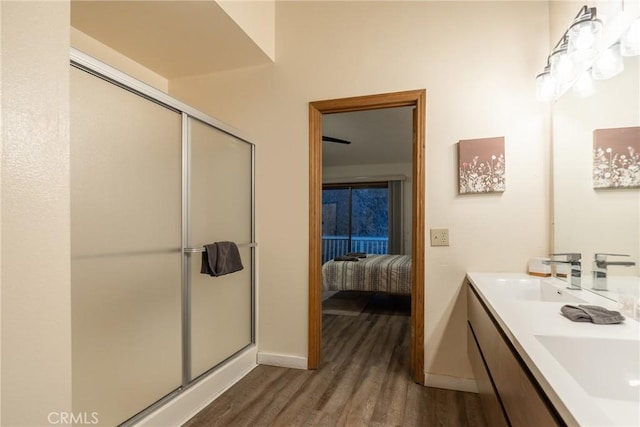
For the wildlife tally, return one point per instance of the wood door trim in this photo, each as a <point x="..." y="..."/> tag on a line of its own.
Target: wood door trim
<point x="315" y="237"/>
<point x="416" y="98"/>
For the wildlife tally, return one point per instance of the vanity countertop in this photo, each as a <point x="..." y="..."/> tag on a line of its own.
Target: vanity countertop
<point x="533" y="326"/>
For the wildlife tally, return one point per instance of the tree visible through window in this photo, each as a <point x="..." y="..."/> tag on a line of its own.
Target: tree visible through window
<point x="355" y="218"/>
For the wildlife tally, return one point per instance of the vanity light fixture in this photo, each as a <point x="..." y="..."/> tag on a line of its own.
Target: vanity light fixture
<point x="588" y="48"/>
<point x="609" y="64"/>
<point x="561" y="62"/>
<point x="578" y="45"/>
<point x="585" y="34"/>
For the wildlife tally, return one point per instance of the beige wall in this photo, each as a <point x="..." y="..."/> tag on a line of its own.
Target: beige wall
<point x="257" y="19"/>
<point x="36" y="328"/>
<point x="478" y="63"/>
<point x="104" y="53"/>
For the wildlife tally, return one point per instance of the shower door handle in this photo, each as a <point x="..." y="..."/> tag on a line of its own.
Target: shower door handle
<point x="200" y="250"/>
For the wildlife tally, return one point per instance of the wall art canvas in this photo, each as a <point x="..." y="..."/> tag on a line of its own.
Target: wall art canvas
<point x="481" y="165"/>
<point x="616" y="158"/>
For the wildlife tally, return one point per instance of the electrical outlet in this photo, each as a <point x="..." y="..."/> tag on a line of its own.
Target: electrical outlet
<point x="439" y="237"/>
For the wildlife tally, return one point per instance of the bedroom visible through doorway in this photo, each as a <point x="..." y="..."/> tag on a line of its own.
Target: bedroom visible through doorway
<point x="369" y="214"/>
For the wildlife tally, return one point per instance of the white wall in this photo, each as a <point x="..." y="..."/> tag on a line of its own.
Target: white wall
<point x="344" y="173"/>
<point x="478" y="63"/>
<point x="36" y="324"/>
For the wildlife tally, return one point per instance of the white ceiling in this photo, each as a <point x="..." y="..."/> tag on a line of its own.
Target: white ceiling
<point x="377" y="137"/>
<point x="172" y="38"/>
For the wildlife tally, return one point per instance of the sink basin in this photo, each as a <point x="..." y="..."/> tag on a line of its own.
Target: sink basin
<point x="537" y="290"/>
<point x="550" y="293"/>
<point x="583" y="359"/>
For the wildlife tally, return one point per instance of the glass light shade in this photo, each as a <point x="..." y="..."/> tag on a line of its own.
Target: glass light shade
<point x="583" y="86"/>
<point x="584" y="39"/>
<point x="562" y="67"/>
<point x="545" y="86"/>
<point x="630" y="41"/>
<point x="608" y="64"/>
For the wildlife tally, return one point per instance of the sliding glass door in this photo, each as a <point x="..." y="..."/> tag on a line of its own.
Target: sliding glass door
<point x="336" y="222"/>
<point x="355" y="218"/>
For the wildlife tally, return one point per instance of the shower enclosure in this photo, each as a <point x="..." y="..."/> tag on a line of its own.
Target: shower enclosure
<point x="152" y="181"/>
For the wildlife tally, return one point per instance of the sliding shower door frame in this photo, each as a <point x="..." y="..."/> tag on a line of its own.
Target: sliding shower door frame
<point x="91" y="65"/>
<point x="186" y="279"/>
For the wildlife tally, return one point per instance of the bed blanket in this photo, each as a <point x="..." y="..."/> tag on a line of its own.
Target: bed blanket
<point x="375" y="273"/>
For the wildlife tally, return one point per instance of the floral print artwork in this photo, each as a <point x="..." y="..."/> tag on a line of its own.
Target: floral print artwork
<point x="481" y="165"/>
<point x="616" y="158"/>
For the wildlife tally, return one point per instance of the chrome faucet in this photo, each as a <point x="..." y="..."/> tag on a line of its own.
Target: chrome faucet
<point x="600" y="265"/>
<point x="573" y="258"/>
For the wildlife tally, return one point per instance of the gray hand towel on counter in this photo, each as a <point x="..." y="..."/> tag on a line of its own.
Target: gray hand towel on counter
<point x="591" y="313"/>
<point x="221" y="258"/>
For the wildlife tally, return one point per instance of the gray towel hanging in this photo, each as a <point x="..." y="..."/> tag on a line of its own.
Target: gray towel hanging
<point x="221" y="258"/>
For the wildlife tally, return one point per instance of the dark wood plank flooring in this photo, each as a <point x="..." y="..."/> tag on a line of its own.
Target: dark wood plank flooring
<point x="364" y="381"/>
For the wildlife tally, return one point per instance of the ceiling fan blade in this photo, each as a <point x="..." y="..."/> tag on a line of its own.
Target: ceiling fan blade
<point x="332" y="139"/>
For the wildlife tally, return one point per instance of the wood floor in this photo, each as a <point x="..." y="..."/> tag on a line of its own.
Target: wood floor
<point x="363" y="381"/>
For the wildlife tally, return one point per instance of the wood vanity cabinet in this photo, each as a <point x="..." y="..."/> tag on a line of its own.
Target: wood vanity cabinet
<point x="507" y="391"/>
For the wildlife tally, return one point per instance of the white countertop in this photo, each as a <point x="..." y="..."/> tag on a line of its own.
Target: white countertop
<point x="511" y="299"/>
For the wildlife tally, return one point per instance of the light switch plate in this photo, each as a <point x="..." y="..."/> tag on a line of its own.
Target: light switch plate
<point x="439" y="237"/>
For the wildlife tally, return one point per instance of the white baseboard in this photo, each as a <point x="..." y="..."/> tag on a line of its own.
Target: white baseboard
<point x="450" y="383"/>
<point x="187" y="404"/>
<point x="282" y="360"/>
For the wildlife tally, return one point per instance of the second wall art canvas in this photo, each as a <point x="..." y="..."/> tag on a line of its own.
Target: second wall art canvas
<point x="481" y="165"/>
<point x="616" y="158"/>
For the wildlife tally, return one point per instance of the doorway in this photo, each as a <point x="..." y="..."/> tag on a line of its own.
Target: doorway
<point x="417" y="99"/>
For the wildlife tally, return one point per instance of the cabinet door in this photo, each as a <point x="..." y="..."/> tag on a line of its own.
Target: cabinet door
<point x="521" y="401"/>
<point x="493" y="412"/>
<point x="484" y="331"/>
<point x="524" y="406"/>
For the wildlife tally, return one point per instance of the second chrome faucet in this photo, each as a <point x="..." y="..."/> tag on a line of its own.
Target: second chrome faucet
<point x="600" y="264"/>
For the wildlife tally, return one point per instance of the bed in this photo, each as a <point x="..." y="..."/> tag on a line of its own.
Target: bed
<point x="375" y="273"/>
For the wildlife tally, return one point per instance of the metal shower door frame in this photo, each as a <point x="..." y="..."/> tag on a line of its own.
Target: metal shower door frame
<point x="103" y="71"/>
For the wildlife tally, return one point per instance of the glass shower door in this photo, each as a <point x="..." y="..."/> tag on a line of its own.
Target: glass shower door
<point x="219" y="209"/>
<point x="149" y="186"/>
<point x="125" y="250"/>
